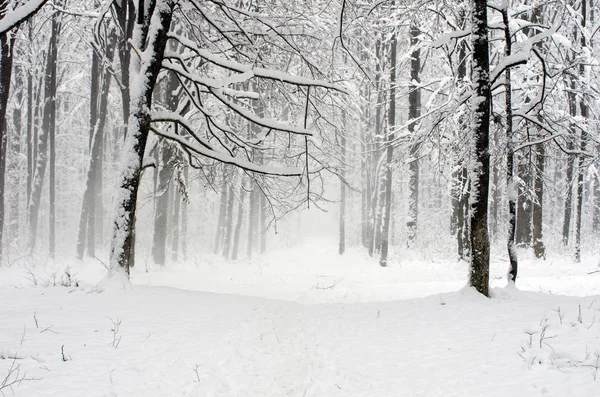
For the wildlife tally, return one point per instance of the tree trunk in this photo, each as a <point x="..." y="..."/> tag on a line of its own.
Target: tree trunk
<point x="252" y="218"/>
<point x="219" y="236"/>
<point x="342" y="218"/>
<point x="511" y="189"/>
<point x="138" y="128"/>
<point x="90" y="223"/>
<point x="583" y="108"/>
<point x="385" y="227"/>
<point x="176" y="199"/>
<point x="6" y="53"/>
<point x="238" y="223"/>
<point x="229" y="219"/>
<point x="46" y="134"/>
<point x="184" y="217"/>
<point x="480" y="245"/>
<point x="414" y="111"/>
<point x="161" y="213"/>
<point x="459" y="223"/>
<point x="537" y="238"/>
<point x="523" y="234"/>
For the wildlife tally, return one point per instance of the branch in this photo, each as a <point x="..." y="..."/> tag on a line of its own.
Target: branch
<point x="227" y="159"/>
<point x="17" y="16"/>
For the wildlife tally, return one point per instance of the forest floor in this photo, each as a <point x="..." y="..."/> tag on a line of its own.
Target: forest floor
<point x="301" y="323"/>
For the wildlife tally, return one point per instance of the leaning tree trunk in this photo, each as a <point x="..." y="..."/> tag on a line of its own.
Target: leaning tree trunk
<point x="480" y="245"/>
<point x="387" y="208"/>
<point x="137" y="135"/>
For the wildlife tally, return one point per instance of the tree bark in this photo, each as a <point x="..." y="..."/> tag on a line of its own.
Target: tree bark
<point x="46" y="134"/>
<point x="414" y="111"/>
<point x="583" y="108"/>
<point x="161" y="212"/>
<point x="385" y="227"/>
<point x="537" y="237"/>
<point x="239" y="221"/>
<point x="7" y="41"/>
<point x="511" y="189"/>
<point x="480" y="245"/>
<point x="342" y="218"/>
<point x="138" y="128"/>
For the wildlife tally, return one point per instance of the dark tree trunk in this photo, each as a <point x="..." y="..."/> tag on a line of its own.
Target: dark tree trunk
<point x="90" y="221"/>
<point x="480" y="245"/>
<point x="16" y="164"/>
<point x="583" y="107"/>
<point x="375" y="156"/>
<point x="342" y="218"/>
<point x="462" y="234"/>
<point x="6" y="53"/>
<point x="414" y="111"/>
<point x="176" y="199"/>
<point x="537" y="238"/>
<point x="460" y="180"/>
<point x="184" y="217"/>
<point x="572" y="100"/>
<point x="229" y="220"/>
<point x="46" y="134"/>
<point x="138" y="128"/>
<point x="219" y="236"/>
<point x="263" y="223"/>
<point x="30" y="126"/>
<point x="238" y="224"/>
<point x="510" y="158"/>
<point x="387" y="208"/>
<point x="523" y="234"/>
<point x="253" y="199"/>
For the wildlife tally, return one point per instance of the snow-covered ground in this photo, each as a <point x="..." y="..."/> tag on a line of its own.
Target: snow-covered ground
<point x="301" y="323"/>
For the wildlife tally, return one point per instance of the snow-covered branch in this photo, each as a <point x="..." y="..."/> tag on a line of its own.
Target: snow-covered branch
<point x="227" y="159"/>
<point x="17" y="16"/>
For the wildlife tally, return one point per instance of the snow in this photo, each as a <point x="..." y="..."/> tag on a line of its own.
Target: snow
<point x="19" y="14"/>
<point x="302" y="322"/>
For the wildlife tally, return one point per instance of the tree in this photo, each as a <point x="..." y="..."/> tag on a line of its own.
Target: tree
<point x="152" y="32"/>
<point x="480" y="244"/>
<point x="10" y="20"/>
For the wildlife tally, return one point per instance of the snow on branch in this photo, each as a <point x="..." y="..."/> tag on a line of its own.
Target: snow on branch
<point x="15" y="17"/>
<point x="447" y="38"/>
<point x="249" y="71"/>
<point x="521" y="56"/>
<point x="227" y="159"/>
<point x="251" y="116"/>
